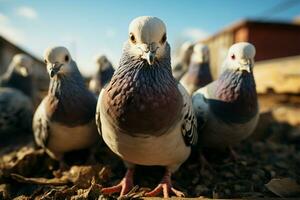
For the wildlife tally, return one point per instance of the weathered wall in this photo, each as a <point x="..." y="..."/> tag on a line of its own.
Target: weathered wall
<point x="272" y="40"/>
<point x="278" y="75"/>
<point x="275" y="41"/>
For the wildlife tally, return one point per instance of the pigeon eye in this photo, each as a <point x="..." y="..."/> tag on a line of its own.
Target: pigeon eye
<point x="66" y="58"/>
<point x="163" y="39"/>
<point x="132" y="38"/>
<point x="45" y="61"/>
<point x="233" y="57"/>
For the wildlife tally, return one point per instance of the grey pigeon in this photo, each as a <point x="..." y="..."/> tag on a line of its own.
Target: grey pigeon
<point x="144" y="115"/>
<point x="16" y="112"/>
<point x="227" y="109"/>
<point x="199" y="74"/>
<point x="182" y="63"/>
<point x="103" y="75"/>
<point x="64" y="120"/>
<point x="19" y="75"/>
<point x="16" y="108"/>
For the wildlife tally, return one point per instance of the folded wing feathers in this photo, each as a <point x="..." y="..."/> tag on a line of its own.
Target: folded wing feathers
<point x="98" y="120"/>
<point x="41" y="128"/>
<point x="201" y="108"/>
<point x="189" y="125"/>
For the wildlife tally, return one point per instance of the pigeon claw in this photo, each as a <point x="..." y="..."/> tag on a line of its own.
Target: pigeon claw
<point x="165" y="187"/>
<point x="123" y="187"/>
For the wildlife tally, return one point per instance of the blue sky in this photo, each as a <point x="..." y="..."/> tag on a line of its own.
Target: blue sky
<point x="89" y="28"/>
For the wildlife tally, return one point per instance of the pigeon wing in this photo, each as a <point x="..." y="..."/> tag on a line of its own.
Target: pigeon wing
<point x="98" y="111"/>
<point x="189" y="123"/>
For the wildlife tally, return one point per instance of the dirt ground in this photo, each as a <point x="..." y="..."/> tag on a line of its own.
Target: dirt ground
<point x="267" y="166"/>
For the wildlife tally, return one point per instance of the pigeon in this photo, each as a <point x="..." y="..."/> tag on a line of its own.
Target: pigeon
<point x="16" y="108"/>
<point x="65" y="119"/>
<point x="103" y="75"/>
<point x="144" y="115"/>
<point x="19" y="75"/>
<point x="181" y="66"/>
<point x="16" y="111"/>
<point x="227" y="109"/>
<point x="198" y="74"/>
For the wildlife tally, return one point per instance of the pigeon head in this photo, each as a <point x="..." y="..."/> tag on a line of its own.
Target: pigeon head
<point x="147" y="39"/>
<point x="200" y="53"/>
<point x="102" y="62"/>
<point x="185" y="52"/>
<point x="240" y="57"/>
<point x="22" y="64"/>
<point x="58" y="60"/>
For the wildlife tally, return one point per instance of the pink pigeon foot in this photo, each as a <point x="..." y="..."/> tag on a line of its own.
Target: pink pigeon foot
<point x="165" y="186"/>
<point x="123" y="187"/>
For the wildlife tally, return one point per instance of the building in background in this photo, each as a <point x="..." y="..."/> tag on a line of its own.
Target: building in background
<point x="7" y="52"/>
<point x="277" y="46"/>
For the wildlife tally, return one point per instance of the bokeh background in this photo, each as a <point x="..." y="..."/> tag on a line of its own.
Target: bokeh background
<point x="269" y="159"/>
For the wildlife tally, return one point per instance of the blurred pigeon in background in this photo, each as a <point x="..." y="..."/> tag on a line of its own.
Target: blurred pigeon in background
<point x="64" y="121"/>
<point x="16" y="107"/>
<point x="104" y="73"/>
<point x="16" y="112"/>
<point x="183" y="61"/>
<point x="198" y="74"/>
<point x="144" y="115"/>
<point x="227" y="109"/>
<point x="19" y="75"/>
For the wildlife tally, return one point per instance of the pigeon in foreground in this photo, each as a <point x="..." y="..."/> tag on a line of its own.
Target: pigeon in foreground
<point x="144" y="115"/>
<point x="183" y="62"/>
<point x="198" y="74"/>
<point x="16" y="112"/>
<point x="103" y="75"/>
<point x="64" y="120"/>
<point x="227" y="109"/>
<point x="19" y="75"/>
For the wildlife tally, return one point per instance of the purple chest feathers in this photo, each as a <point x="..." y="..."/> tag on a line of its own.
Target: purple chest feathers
<point x="69" y="102"/>
<point x="235" y="97"/>
<point x="143" y="100"/>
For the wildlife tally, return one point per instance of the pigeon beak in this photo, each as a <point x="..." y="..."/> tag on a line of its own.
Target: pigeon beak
<point x="150" y="56"/>
<point x="245" y="68"/>
<point x="24" y="71"/>
<point x="54" y="69"/>
<point x="245" y="65"/>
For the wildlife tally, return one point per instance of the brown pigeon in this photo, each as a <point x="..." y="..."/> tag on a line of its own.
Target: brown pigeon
<point x="145" y="116"/>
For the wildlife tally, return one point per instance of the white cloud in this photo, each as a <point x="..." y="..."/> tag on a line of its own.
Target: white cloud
<point x="27" y="12"/>
<point x="110" y="33"/>
<point x="10" y="32"/>
<point x="3" y="18"/>
<point x="195" y="33"/>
